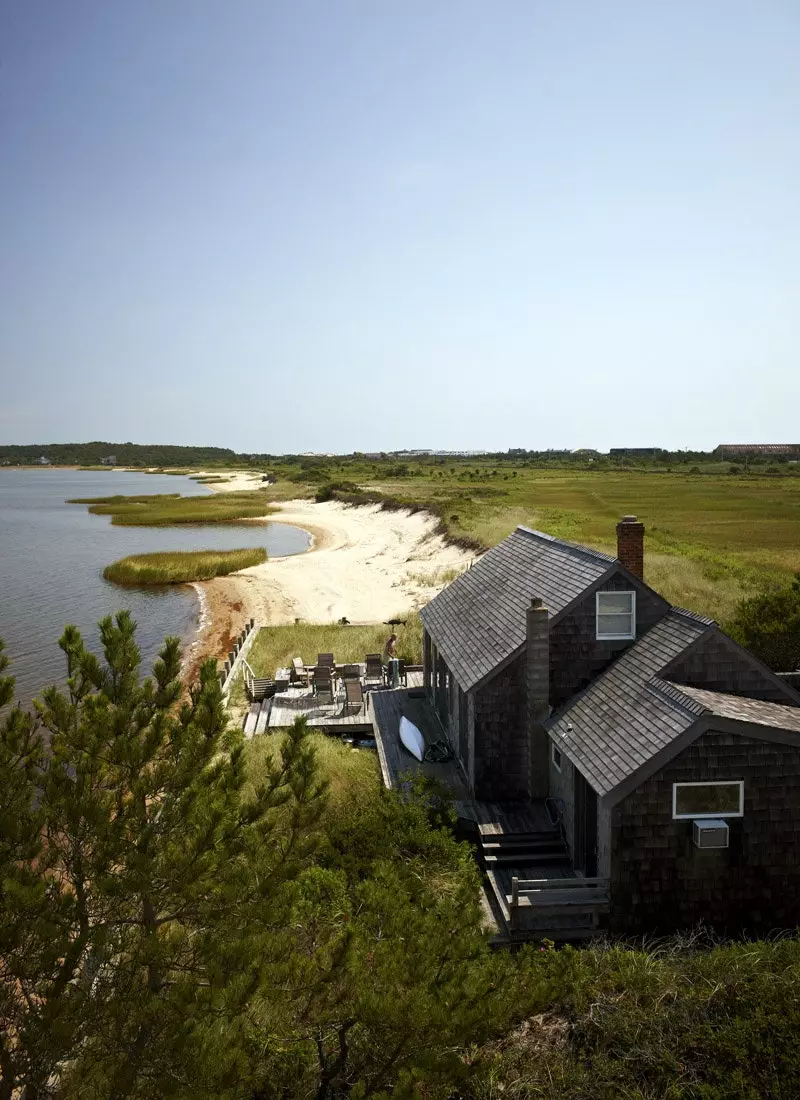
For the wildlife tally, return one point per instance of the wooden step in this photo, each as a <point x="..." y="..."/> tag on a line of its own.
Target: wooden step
<point x="505" y="845"/>
<point x="524" y="859"/>
<point x="565" y="901"/>
<point x="263" y="717"/>
<point x="539" y="834"/>
<point x="251" y="719"/>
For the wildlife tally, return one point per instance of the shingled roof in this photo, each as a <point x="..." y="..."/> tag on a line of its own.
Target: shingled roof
<point x="613" y="727"/>
<point x="759" y="712"/>
<point x="478" y="621"/>
<point x="629" y="714"/>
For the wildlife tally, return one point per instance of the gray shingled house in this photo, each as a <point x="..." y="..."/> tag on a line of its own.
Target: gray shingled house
<point x="668" y="755"/>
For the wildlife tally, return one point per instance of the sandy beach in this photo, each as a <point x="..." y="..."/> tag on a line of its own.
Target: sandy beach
<point x="364" y="564"/>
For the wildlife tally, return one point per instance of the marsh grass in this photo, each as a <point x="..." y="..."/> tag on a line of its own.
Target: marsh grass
<point x="167" y="509"/>
<point x="181" y="567"/>
<point x="275" y="646"/>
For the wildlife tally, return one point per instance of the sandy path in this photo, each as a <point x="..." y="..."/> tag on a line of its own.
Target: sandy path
<point x="365" y="564"/>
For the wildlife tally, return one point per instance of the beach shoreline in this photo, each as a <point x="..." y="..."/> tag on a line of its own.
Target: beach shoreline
<point x="364" y="563"/>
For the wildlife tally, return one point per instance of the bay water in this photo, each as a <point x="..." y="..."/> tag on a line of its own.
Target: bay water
<point x="52" y="556"/>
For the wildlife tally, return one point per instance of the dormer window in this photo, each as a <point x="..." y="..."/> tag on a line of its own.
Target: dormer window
<point x="616" y="616"/>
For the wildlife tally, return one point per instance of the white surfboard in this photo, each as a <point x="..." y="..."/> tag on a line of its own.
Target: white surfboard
<point x="412" y="738"/>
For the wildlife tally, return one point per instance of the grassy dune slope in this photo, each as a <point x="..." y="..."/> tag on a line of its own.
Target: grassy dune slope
<point x="179" y="567"/>
<point x="170" y="508"/>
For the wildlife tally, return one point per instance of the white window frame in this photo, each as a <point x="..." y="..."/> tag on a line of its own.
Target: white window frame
<point x="597" y="615"/>
<point x="715" y="813"/>
<point x="555" y="751"/>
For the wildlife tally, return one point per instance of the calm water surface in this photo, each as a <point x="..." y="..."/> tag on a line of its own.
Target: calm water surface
<point x="52" y="556"/>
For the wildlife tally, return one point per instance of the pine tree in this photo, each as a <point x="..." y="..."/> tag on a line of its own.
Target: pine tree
<point x="138" y="884"/>
<point x="167" y="931"/>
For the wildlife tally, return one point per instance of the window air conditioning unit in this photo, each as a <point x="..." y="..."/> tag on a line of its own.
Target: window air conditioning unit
<point x="711" y="832"/>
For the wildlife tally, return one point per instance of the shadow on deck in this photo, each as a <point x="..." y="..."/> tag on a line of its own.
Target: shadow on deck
<point x="388" y="706"/>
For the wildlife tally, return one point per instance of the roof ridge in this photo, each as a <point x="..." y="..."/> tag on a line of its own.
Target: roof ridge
<point x="565" y="542"/>
<point x="675" y="695"/>
<point x="694" y="615"/>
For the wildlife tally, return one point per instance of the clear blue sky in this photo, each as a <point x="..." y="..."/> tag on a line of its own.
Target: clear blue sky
<point x="374" y="224"/>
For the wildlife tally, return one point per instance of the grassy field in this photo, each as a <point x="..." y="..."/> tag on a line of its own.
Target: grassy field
<point x="275" y="646"/>
<point x="167" y="509"/>
<point x="710" y="539"/>
<point x="180" y="567"/>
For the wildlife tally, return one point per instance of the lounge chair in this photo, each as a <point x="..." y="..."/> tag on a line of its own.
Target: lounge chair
<point x="297" y="672"/>
<point x="325" y="660"/>
<point x="374" y="673"/>
<point x="351" y="672"/>
<point x="353" y="697"/>
<point x="323" y="685"/>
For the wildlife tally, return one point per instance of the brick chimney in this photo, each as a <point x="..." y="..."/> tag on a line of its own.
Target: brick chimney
<point x="537" y="624"/>
<point x="630" y="545"/>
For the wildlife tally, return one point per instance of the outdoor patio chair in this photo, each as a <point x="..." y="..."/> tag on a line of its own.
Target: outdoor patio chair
<point x="297" y="672"/>
<point x="351" y="672"/>
<point x="326" y="660"/>
<point x="374" y="673"/>
<point x="353" y="697"/>
<point x="323" y="685"/>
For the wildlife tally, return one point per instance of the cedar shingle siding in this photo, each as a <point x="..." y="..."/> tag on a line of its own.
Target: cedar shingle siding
<point x="501" y="741"/>
<point x="718" y="664"/>
<point x="661" y="882"/>
<point x="576" y="655"/>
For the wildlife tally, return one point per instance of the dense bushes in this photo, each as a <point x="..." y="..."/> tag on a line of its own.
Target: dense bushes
<point x="683" y="1021"/>
<point x="769" y="626"/>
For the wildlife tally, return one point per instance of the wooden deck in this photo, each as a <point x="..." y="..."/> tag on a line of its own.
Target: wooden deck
<point x="388" y="706"/>
<point x="329" y="717"/>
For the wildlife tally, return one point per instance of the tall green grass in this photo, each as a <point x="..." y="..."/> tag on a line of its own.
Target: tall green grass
<point x="166" y="509"/>
<point x="180" y="567"/>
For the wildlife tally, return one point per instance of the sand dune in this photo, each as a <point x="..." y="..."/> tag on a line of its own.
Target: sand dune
<point x="365" y="564"/>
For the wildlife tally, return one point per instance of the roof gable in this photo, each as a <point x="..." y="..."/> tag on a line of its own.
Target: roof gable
<point x="478" y="621"/>
<point x="622" y="719"/>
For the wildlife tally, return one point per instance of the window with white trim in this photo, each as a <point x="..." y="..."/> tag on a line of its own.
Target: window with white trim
<point x="555" y="756"/>
<point x="690" y="800"/>
<point x="616" y="616"/>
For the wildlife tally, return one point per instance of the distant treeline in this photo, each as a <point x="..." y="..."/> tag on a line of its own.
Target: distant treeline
<point x="124" y="454"/>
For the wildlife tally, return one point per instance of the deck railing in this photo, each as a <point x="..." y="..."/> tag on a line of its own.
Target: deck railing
<point x="559" y="896"/>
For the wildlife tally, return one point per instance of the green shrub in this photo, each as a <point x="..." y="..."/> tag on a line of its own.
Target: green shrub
<point x="769" y="626"/>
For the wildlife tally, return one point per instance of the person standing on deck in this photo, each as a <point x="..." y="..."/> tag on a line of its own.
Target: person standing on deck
<point x="390" y="649"/>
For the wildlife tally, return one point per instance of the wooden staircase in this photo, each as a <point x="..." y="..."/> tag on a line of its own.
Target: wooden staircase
<point x="531" y="849"/>
<point x="533" y="882"/>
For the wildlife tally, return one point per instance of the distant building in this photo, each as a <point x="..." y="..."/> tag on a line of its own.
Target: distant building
<point x="636" y="452"/>
<point x="110" y="460"/>
<point x="42" y="461"/>
<point x="742" y="450"/>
